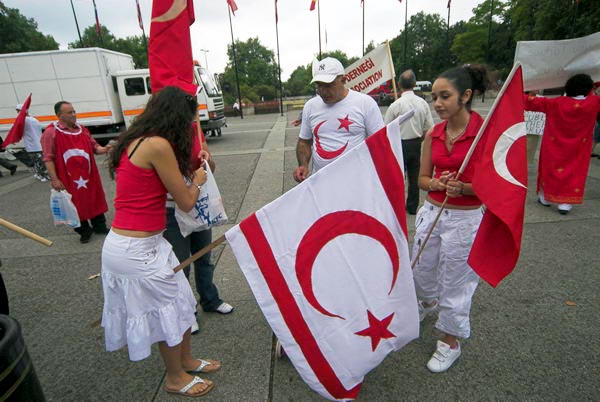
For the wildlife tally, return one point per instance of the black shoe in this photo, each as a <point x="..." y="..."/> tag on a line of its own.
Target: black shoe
<point x="13" y="170"/>
<point x="563" y="211"/>
<point x="85" y="236"/>
<point x="101" y="230"/>
<point x="411" y="211"/>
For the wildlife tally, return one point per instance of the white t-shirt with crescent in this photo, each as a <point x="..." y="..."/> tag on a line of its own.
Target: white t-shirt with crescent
<point x="339" y="127"/>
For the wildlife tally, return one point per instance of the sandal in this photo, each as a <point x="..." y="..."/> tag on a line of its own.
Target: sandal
<point x="197" y="380"/>
<point x="206" y="366"/>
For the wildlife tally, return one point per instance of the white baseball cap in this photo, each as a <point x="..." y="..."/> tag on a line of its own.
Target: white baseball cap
<point x="19" y="107"/>
<point x="326" y="70"/>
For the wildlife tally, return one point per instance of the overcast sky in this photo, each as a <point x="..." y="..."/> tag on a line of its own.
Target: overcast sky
<point x="298" y="35"/>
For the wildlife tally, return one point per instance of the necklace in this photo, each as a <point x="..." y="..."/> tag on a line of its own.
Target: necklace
<point x="453" y="138"/>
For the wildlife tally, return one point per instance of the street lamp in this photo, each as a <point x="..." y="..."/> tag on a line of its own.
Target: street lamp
<point x="205" y="59"/>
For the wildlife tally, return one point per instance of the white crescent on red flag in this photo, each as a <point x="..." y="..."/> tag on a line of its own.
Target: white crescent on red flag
<point x="328" y="264"/>
<point x="170" y="47"/>
<point x="15" y="133"/>
<point x="500" y="182"/>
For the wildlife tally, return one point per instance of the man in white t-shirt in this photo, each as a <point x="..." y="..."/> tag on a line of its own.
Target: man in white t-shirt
<point x="333" y="122"/>
<point x="412" y="133"/>
<point x="31" y="139"/>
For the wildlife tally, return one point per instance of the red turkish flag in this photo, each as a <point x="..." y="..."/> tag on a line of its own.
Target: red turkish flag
<point x="232" y="5"/>
<point x="170" y="49"/>
<point x="500" y="182"/>
<point x="16" y="131"/>
<point x="313" y="3"/>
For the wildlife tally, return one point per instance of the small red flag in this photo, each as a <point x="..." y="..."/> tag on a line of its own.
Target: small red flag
<point x="232" y="5"/>
<point x="16" y="131"/>
<point x="170" y="48"/>
<point x="500" y="182"/>
<point x="313" y="3"/>
<point x="139" y="13"/>
<point x="98" y="27"/>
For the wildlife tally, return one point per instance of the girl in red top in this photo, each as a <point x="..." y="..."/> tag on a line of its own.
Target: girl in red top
<point x="144" y="301"/>
<point x="444" y="281"/>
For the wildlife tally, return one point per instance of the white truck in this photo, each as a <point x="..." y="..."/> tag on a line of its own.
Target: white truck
<point x="105" y="89"/>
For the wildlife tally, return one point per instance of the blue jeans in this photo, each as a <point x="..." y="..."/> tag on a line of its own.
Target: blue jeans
<point x="183" y="247"/>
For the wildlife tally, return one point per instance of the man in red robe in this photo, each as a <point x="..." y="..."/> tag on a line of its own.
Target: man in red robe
<point x="69" y="150"/>
<point x="566" y="143"/>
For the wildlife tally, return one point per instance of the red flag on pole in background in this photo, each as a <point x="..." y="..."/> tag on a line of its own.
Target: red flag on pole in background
<point x="500" y="182"/>
<point x="232" y="5"/>
<point x="448" y="3"/>
<point x="98" y="27"/>
<point x="139" y="13"/>
<point x="170" y="49"/>
<point x="16" y="131"/>
<point x="313" y="4"/>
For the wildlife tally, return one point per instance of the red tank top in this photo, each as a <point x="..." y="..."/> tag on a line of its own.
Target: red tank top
<point x="443" y="160"/>
<point x="140" y="198"/>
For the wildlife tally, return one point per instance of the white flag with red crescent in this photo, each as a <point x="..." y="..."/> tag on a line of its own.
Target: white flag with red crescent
<point x="329" y="266"/>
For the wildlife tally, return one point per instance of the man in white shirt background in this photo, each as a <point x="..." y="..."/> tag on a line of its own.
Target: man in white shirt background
<point x="333" y="122"/>
<point x="31" y="139"/>
<point x="412" y="133"/>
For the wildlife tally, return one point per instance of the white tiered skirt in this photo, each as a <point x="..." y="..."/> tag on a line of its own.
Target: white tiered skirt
<point x="144" y="301"/>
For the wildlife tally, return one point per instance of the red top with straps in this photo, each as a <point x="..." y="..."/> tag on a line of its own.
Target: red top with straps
<point x="443" y="159"/>
<point x="140" y="198"/>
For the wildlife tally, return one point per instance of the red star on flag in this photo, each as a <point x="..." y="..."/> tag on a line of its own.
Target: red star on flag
<point x="345" y="123"/>
<point x="377" y="329"/>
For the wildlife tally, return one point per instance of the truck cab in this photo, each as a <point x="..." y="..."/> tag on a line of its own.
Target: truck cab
<point x="133" y="87"/>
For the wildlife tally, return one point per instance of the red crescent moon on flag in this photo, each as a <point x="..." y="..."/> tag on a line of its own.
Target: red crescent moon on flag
<point x="328" y="228"/>
<point x="323" y="153"/>
<point x="506" y="140"/>
<point x="176" y="8"/>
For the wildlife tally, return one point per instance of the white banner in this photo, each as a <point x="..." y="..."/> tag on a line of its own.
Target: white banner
<point x="328" y="264"/>
<point x="550" y="63"/>
<point x="374" y="69"/>
<point x="535" y="122"/>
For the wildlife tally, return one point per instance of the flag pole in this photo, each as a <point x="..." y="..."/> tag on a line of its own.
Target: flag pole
<point x="235" y="66"/>
<point x="389" y="51"/>
<point x="363" y="26"/>
<point x="76" y="24"/>
<point x="98" y="26"/>
<point x="405" y="66"/>
<point x="278" y="60"/>
<point x="448" y="25"/>
<point x="141" y="23"/>
<point x="319" y="22"/>
<point x="463" y="166"/>
<point x="489" y="44"/>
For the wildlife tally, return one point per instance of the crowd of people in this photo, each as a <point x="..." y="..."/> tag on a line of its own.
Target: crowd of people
<point x="145" y="302"/>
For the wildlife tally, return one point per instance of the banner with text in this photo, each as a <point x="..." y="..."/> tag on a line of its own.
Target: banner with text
<point x="550" y="63"/>
<point x="373" y="70"/>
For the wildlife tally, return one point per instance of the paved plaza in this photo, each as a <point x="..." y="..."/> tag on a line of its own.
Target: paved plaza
<point x="527" y="342"/>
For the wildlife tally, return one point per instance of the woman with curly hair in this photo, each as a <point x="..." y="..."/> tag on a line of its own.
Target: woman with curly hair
<point x="144" y="300"/>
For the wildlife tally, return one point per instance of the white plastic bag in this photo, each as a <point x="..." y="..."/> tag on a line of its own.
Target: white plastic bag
<point x="208" y="211"/>
<point x="63" y="210"/>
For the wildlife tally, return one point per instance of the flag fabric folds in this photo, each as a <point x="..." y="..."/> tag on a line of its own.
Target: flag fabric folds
<point x="313" y="4"/>
<point x="170" y="48"/>
<point x="139" y="14"/>
<point x="16" y="131"/>
<point x="232" y="5"/>
<point x="98" y="26"/>
<point x="500" y="182"/>
<point x="328" y="264"/>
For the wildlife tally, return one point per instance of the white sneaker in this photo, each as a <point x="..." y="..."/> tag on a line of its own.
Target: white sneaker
<point x="564" y="209"/>
<point x="279" y="352"/>
<point x="224" y="308"/>
<point x="195" y="327"/>
<point x="43" y="179"/>
<point x="443" y="357"/>
<point x="425" y="311"/>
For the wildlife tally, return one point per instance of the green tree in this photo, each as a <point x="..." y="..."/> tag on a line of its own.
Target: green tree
<point x="20" y="34"/>
<point x="132" y="45"/>
<point x="299" y="82"/>
<point x="257" y="70"/>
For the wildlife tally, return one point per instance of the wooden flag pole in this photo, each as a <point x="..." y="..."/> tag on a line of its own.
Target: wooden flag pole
<point x="25" y="232"/>
<point x="389" y="51"/>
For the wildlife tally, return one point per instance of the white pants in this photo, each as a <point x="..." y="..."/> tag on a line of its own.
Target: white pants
<point x="442" y="273"/>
